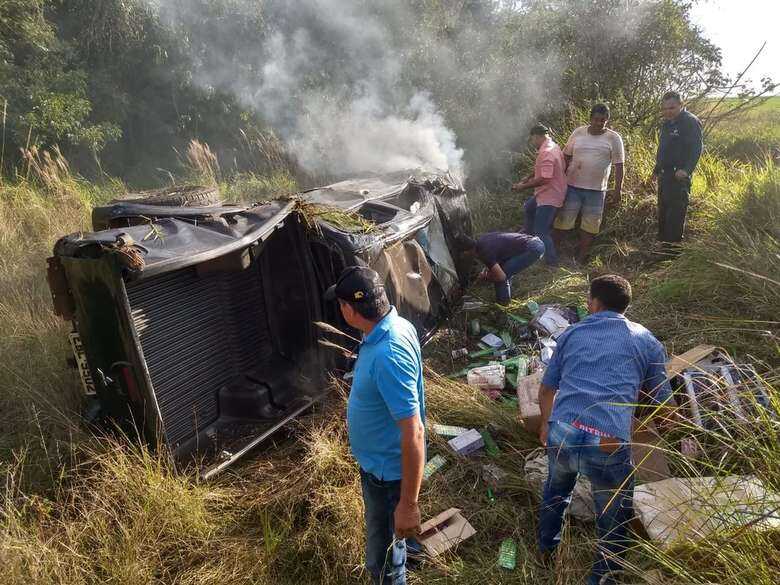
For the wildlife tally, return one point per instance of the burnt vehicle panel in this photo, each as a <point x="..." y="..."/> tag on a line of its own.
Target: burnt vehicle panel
<point x="198" y="328"/>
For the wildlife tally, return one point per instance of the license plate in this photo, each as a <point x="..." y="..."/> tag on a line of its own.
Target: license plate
<point x="81" y="363"/>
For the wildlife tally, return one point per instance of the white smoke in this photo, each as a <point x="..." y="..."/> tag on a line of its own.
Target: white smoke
<point x="329" y="80"/>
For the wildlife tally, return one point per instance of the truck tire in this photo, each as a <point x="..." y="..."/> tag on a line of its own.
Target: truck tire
<point x="176" y="196"/>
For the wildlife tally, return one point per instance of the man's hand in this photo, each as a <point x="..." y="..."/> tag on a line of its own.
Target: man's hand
<point x="483" y="275"/>
<point x="518" y="186"/>
<point x="681" y="175"/>
<point x="543" y="433"/>
<point x="406" y="519"/>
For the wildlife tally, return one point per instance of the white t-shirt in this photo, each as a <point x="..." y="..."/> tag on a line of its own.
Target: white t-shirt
<point x="592" y="157"/>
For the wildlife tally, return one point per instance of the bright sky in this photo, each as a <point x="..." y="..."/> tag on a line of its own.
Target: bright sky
<point x="739" y="27"/>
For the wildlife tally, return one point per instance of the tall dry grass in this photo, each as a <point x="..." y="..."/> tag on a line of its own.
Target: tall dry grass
<point x="37" y="391"/>
<point x="76" y="510"/>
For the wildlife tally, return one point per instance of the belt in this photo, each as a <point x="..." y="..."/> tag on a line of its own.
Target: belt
<point x="591" y="430"/>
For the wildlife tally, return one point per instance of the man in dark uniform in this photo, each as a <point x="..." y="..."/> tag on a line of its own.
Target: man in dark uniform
<point x="679" y="148"/>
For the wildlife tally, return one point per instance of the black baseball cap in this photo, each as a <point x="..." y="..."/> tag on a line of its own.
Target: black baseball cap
<point x="356" y="284"/>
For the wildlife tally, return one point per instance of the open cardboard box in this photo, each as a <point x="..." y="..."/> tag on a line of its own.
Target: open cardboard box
<point x="444" y="531"/>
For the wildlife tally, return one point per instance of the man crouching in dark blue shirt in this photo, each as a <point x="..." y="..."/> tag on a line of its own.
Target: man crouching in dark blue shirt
<point x="504" y="255"/>
<point x="385" y="418"/>
<point x="587" y="399"/>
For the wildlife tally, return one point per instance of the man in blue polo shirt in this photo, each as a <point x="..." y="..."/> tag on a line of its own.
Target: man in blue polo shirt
<point x="385" y="418"/>
<point x="602" y="368"/>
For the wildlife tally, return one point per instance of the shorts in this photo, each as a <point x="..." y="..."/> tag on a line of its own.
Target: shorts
<point x="590" y="202"/>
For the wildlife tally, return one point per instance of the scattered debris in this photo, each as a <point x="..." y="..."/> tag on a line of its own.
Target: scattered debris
<point x="444" y="531"/>
<point x="448" y="430"/>
<point x="459" y="353"/>
<point x="494" y="476"/>
<point x="528" y="401"/>
<point x="550" y="322"/>
<point x="581" y="505"/>
<point x="507" y="554"/>
<point x="474" y="328"/>
<point x="433" y="465"/>
<point x="648" y="454"/>
<point x="491" y="448"/>
<point x="689" y="447"/>
<point x="471" y="304"/>
<point x="492" y="340"/>
<point x="490" y="379"/>
<point x="677" y="510"/>
<point x="467" y="443"/>
<point x="715" y="392"/>
<point x="548" y="347"/>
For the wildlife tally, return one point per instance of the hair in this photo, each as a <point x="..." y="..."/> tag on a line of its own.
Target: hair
<point x="600" y="109"/>
<point x="672" y="95"/>
<point x="539" y="130"/>
<point x="465" y="243"/>
<point x="372" y="309"/>
<point x="613" y="291"/>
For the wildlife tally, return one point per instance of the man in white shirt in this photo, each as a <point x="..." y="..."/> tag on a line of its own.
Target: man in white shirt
<point x="590" y="154"/>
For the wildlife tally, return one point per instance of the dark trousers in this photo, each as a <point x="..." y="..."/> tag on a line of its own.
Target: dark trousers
<point x="385" y="555"/>
<point x="570" y="452"/>
<point x="673" y="197"/>
<point x="534" y="251"/>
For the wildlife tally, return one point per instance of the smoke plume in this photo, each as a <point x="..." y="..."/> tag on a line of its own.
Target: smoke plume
<point x="354" y="86"/>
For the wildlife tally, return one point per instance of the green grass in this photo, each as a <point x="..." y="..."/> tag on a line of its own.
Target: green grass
<point x="77" y="510"/>
<point x="751" y="137"/>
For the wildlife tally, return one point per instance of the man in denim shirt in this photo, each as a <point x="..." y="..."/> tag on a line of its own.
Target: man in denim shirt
<point x="587" y="398"/>
<point x="385" y="418"/>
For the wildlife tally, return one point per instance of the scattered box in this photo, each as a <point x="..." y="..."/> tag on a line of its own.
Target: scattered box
<point x="676" y="510"/>
<point x="444" y="531"/>
<point x="507" y="554"/>
<point x="677" y="364"/>
<point x="491" y="377"/>
<point x="550" y="322"/>
<point x="492" y="340"/>
<point x="649" y="458"/>
<point x="548" y="348"/>
<point x="448" y="430"/>
<point x="468" y="442"/>
<point x="434" y="465"/>
<point x="528" y="401"/>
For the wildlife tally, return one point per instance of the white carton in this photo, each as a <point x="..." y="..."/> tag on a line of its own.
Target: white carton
<point x="492" y="377"/>
<point x="468" y="442"/>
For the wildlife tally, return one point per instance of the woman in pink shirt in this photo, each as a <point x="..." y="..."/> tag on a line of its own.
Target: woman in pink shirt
<point x="549" y="183"/>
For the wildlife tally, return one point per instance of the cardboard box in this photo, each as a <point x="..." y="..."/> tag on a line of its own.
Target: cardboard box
<point x="468" y="442"/>
<point x="528" y="401"/>
<point x="649" y="458"/>
<point x="444" y="531"/>
<point x="679" y="510"/>
<point x="678" y="363"/>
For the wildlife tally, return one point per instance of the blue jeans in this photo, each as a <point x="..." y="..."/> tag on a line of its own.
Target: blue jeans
<point x="515" y="264"/>
<point x="571" y="451"/>
<point x="539" y="222"/>
<point x="385" y="556"/>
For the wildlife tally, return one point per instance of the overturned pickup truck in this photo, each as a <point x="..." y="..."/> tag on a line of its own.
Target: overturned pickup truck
<point x="194" y="325"/>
